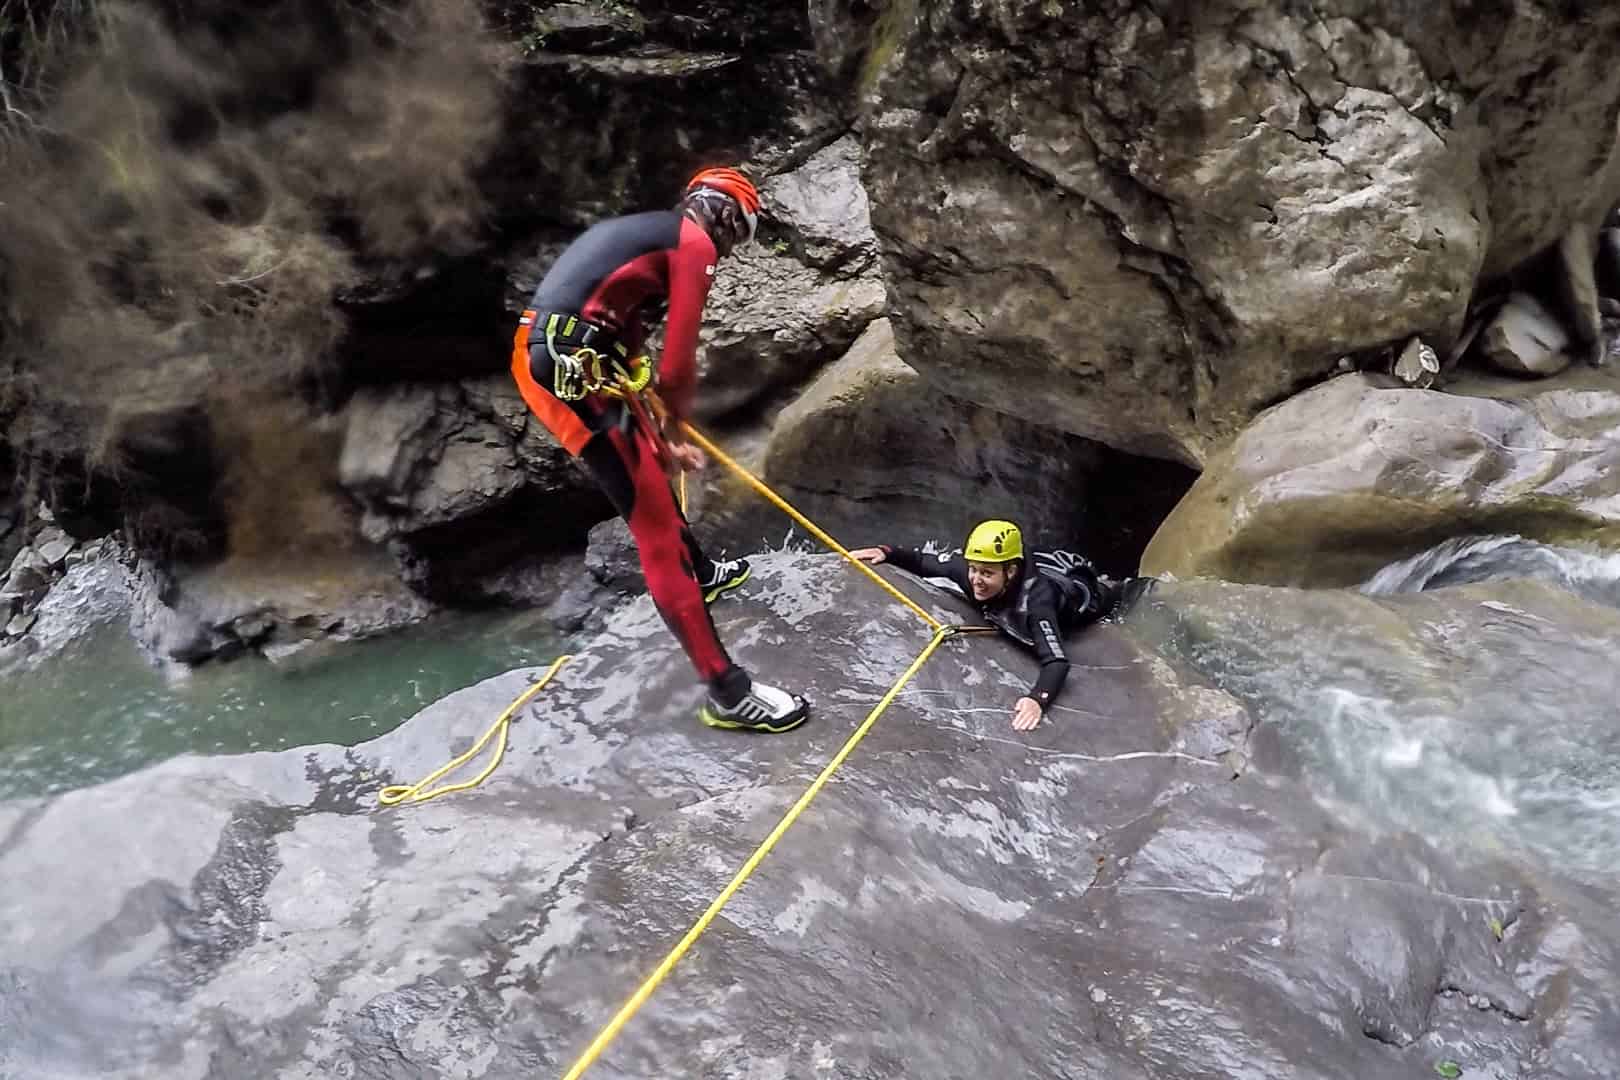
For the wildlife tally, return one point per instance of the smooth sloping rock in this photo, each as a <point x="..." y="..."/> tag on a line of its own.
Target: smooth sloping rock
<point x="1339" y="481"/>
<point x="1524" y="339"/>
<point x="1166" y="919"/>
<point x="871" y="432"/>
<point x="1169" y="218"/>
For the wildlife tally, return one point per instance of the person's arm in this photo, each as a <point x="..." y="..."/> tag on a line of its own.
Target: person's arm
<point x="691" y="272"/>
<point x="1048" y="634"/>
<point x="942" y="564"/>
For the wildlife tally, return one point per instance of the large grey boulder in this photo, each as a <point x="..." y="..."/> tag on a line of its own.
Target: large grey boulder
<point x="1336" y="482"/>
<point x="418" y="456"/>
<point x="1168" y="217"/>
<point x="466" y="487"/>
<point x="823" y="210"/>
<point x="772" y="321"/>
<point x="1100" y="899"/>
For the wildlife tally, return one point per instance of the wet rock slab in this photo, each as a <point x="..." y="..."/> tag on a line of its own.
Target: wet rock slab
<point x="1113" y="896"/>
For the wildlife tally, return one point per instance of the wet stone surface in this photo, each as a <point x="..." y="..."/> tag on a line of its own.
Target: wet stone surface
<point x="1114" y="896"/>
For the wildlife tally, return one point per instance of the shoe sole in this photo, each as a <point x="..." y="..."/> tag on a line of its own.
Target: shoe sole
<point x="715" y="720"/>
<point x="726" y="586"/>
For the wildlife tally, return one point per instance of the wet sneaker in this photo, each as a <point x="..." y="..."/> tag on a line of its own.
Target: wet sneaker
<point x="727" y="576"/>
<point x="763" y="708"/>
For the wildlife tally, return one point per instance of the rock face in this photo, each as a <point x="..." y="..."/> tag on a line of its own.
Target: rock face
<point x="1170" y="217"/>
<point x="423" y="456"/>
<point x="871" y="441"/>
<point x="460" y="480"/>
<point x="1167" y="918"/>
<point x="599" y="122"/>
<point x="1334" y="483"/>
<point x="567" y="113"/>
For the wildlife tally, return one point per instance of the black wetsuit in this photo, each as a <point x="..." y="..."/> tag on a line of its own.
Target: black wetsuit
<point x="1056" y="592"/>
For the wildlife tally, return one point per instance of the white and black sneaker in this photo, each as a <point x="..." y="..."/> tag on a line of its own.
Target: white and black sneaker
<point x="725" y="576"/>
<point x="762" y="708"/>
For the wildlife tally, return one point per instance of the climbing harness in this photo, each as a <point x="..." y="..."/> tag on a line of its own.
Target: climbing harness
<point x="581" y="363"/>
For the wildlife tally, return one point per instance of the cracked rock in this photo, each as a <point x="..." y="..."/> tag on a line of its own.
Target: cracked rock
<point x="1169" y="224"/>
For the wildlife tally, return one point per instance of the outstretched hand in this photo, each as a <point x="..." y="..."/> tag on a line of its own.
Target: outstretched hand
<point x="1026" y="714"/>
<point x="869" y="555"/>
<point x="689" y="456"/>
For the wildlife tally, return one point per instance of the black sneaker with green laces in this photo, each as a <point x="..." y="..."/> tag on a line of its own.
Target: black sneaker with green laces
<point x="723" y="577"/>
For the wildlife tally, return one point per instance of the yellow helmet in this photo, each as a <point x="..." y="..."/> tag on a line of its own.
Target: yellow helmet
<point x="994" y="541"/>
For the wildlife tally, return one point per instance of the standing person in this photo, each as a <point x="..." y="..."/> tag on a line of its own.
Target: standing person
<point x="576" y="359"/>
<point x="1035" y="607"/>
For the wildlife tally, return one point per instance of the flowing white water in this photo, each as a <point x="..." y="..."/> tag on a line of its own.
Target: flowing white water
<point x="1485" y="713"/>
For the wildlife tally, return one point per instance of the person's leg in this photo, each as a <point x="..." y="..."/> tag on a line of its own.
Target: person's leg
<point x="628" y="472"/>
<point x="625" y="466"/>
<point x="714" y="577"/>
<point x="1090" y="597"/>
<point x="735" y="700"/>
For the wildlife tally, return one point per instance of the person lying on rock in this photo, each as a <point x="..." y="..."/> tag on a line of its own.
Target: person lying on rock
<point x="576" y="361"/>
<point x="1036" y="607"/>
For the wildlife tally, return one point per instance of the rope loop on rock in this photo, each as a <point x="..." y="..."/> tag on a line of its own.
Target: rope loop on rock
<point x="419" y="792"/>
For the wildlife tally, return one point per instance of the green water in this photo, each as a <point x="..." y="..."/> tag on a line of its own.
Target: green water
<point x="102" y="710"/>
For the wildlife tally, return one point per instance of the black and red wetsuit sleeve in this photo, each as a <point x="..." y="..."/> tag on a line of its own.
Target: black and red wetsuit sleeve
<point x="691" y="272"/>
<point x="945" y="564"/>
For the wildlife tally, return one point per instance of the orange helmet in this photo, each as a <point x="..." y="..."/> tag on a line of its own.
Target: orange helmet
<point x="735" y="184"/>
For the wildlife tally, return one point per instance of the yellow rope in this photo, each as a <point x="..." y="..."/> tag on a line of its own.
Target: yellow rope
<point x="648" y="985"/>
<point x="415" y="793"/>
<point x="420" y="792"/>
<point x="771" y="496"/>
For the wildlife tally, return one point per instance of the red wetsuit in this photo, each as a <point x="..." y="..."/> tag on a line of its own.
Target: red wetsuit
<point x="613" y="280"/>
